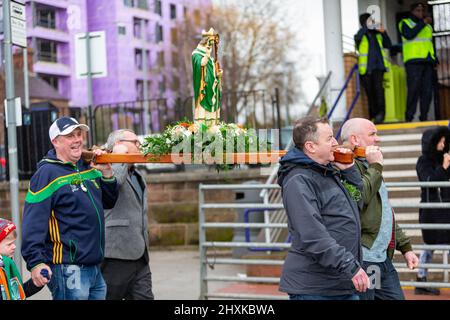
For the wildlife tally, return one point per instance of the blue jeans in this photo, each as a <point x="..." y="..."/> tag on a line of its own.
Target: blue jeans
<point x="385" y="283"/>
<point x="312" y="297"/>
<point x="77" y="282"/>
<point x="425" y="257"/>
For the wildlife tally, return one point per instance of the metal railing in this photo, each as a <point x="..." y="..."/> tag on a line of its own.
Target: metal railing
<point x="268" y="244"/>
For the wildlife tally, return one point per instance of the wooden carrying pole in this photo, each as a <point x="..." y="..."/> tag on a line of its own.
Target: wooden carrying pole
<point x="230" y="158"/>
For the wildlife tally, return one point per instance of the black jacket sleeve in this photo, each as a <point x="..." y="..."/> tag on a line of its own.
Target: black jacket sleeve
<point x="359" y="35"/>
<point x="427" y="171"/>
<point x="387" y="43"/>
<point x="110" y="192"/>
<point x="30" y="288"/>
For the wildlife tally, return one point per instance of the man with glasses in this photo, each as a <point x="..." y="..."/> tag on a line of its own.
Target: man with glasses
<point x="126" y="266"/>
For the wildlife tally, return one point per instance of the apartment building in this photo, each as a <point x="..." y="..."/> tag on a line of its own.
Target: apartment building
<point x="141" y="42"/>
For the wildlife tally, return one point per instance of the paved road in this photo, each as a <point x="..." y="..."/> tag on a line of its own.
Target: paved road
<point x="175" y="276"/>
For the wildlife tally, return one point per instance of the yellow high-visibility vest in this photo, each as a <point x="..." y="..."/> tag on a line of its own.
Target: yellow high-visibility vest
<point x="363" y="51"/>
<point x="419" y="47"/>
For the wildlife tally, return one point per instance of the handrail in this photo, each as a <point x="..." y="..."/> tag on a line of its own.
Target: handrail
<point x="319" y="93"/>
<point x="347" y="81"/>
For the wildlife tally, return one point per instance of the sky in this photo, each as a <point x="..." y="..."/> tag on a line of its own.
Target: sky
<point x="306" y="18"/>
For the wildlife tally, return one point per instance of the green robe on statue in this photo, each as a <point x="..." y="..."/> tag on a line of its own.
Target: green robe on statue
<point x="208" y="92"/>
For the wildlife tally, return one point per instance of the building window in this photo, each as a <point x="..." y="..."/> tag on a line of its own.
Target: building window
<point x="174" y="36"/>
<point x="159" y="33"/>
<point x="46" y="50"/>
<point x="45" y="17"/>
<point x="138" y="58"/>
<point x="121" y="29"/>
<point x="147" y="54"/>
<point x="51" y="80"/>
<point x="158" y="9"/>
<point x="140" y="90"/>
<point x="162" y="86"/>
<point x="137" y="30"/>
<point x="185" y="12"/>
<point x="173" y="11"/>
<point x="175" y="60"/>
<point x="175" y="83"/>
<point x="161" y="59"/>
<point x="141" y="4"/>
<point x="197" y="17"/>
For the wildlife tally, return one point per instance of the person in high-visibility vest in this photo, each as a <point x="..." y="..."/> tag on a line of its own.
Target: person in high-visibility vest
<point x="420" y="59"/>
<point x="373" y="63"/>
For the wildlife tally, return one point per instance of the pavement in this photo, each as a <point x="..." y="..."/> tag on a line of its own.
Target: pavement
<point x="176" y="276"/>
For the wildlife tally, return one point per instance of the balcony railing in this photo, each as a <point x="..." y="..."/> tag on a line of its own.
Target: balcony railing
<point x="47" y="56"/>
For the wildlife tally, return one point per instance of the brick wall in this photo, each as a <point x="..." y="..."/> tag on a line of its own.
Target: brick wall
<point x="173" y="204"/>
<point x="361" y="109"/>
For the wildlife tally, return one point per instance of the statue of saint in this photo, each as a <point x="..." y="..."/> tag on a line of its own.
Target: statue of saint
<point x="207" y="79"/>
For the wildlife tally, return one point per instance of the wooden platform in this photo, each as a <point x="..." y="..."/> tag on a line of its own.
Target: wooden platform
<point x="228" y="158"/>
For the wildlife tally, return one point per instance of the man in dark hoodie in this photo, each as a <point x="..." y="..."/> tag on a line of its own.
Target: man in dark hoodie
<point x="321" y="202"/>
<point x="433" y="165"/>
<point x="372" y="64"/>
<point x="63" y="228"/>
<point x="419" y="58"/>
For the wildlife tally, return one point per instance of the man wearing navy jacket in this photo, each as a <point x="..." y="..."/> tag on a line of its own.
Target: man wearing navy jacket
<point x="63" y="222"/>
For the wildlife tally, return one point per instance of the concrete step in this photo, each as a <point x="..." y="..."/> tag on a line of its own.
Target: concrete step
<point x="415" y="137"/>
<point x="407" y="217"/>
<point x="403" y="201"/>
<point x="400" y="161"/>
<point x="400" y="174"/>
<point x="402" y="149"/>
<point x="404" y="193"/>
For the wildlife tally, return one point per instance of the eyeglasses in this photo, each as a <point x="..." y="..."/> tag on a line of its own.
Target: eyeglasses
<point x="135" y="141"/>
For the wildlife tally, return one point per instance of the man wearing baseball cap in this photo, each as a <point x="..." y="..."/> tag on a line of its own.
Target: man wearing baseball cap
<point x="63" y="220"/>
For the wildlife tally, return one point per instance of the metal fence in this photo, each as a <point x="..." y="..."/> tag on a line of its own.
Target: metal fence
<point x="269" y="227"/>
<point x="257" y="109"/>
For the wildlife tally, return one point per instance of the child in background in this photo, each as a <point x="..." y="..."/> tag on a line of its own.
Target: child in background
<point x="11" y="285"/>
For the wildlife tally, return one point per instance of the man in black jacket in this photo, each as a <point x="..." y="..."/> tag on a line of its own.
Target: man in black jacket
<point x="321" y="202"/>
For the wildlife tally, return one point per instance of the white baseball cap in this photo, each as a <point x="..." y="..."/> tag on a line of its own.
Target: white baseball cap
<point x="63" y="126"/>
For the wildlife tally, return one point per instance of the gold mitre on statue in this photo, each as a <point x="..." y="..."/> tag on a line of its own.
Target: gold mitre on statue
<point x="211" y="33"/>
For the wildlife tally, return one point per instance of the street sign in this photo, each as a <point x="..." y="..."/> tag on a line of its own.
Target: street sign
<point x="99" y="65"/>
<point x="17" y="11"/>
<point x="18" y="24"/>
<point x="18" y="110"/>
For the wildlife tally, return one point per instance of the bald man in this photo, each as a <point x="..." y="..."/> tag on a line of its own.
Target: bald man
<point x="379" y="232"/>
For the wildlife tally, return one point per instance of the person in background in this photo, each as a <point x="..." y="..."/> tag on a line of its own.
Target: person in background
<point x="11" y="285"/>
<point x="370" y="41"/>
<point x="419" y="58"/>
<point x="126" y="266"/>
<point x="433" y="165"/>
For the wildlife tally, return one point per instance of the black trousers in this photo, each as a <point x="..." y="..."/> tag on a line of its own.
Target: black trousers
<point x="420" y="88"/>
<point x="373" y="84"/>
<point x="127" y="279"/>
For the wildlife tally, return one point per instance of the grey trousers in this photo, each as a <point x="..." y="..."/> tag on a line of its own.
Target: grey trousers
<point x="127" y="279"/>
